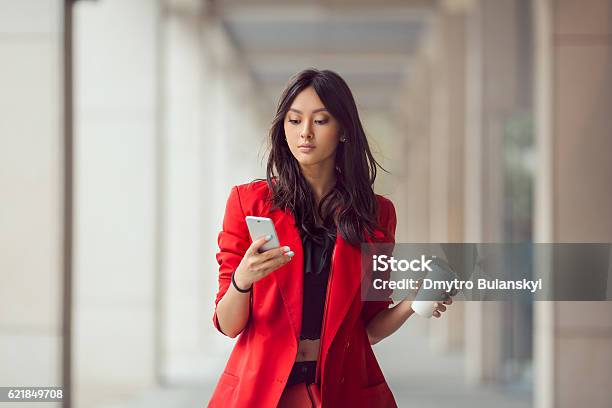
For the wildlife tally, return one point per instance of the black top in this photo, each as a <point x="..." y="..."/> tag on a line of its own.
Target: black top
<point x="317" y="261"/>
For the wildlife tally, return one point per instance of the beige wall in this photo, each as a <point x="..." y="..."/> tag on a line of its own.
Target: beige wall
<point x="574" y="194"/>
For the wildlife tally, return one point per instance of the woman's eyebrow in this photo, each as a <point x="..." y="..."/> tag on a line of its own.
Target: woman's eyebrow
<point x="314" y="111"/>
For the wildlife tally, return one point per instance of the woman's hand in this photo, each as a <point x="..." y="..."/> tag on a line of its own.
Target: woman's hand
<point x="440" y="306"/>
<point x="233" y="308"/>
<point x="255" y="265"/>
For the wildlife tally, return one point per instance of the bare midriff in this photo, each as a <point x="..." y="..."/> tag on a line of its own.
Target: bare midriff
<point x="308" y="350"/>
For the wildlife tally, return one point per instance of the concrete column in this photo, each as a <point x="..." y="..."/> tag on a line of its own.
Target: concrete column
<point x="184" y="78"/>
<point x="411" y="195"/>
<point x="32" y="193"/>
<point x="116" y="66"/>
<point x="212" y="135"/>
<point x="447" y="156"/>
<point x="413" y="191"/>
<point x="573" y="94"/>
<point x="492" y="81"/>
<point x="233" y="151"/>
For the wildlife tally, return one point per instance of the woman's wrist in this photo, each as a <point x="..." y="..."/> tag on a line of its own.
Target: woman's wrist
<point x="239" y="284"/>
<point x="406" y="306"/>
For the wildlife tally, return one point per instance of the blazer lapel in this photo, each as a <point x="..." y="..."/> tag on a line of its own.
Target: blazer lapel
<point x="345" y="279"/>
<point x="290" y="278"/>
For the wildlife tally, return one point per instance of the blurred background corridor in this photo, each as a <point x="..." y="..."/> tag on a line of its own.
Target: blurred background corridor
<point x="124" y="124"/>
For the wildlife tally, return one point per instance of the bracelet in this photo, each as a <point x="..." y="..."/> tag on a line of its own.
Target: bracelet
<point x="238" y="289"/>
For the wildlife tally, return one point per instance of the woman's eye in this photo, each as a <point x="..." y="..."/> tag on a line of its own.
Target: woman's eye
<point x="318" y="122"/>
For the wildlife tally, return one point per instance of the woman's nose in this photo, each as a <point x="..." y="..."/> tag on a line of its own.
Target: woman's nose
<point x="306" y="130"/>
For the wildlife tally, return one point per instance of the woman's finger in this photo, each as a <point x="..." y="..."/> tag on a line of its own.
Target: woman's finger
<point x="273" y="264"/>
<point x="258" y="243"/>
<point x="440" y="307"/>
<point x="273" y="253"/>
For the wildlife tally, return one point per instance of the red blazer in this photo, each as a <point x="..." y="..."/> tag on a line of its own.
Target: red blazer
<point x="265" y="351"/>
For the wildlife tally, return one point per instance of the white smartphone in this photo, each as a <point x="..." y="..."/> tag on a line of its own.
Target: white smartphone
<point x="260" y="227"/>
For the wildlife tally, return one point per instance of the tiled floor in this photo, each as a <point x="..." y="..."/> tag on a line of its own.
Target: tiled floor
<point x="417" y="376"/>
<point x="422" y="378"/>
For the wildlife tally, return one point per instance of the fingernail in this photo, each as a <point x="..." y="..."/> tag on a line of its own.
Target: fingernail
<point x="268" y="237"/>
<point x="286" y="249"/>
<point x="290" y="253"/>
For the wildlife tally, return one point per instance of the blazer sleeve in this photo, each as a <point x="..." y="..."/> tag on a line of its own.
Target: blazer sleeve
<point x="388" y="223"/>
<point x="233" y="240"/>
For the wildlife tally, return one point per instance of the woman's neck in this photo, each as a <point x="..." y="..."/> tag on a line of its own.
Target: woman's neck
<point x="321" y="178"/>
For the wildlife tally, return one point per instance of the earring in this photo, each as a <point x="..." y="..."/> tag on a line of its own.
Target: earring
<point x="343" y="139"/>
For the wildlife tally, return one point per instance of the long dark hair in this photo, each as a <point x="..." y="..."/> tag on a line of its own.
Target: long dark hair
<point x="351" y="205"/>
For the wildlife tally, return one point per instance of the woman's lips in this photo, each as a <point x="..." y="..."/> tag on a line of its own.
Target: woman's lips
<point x="306" y="149"/>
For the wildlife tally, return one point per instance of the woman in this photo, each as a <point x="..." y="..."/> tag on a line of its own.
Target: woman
<point x="305" y="332"/>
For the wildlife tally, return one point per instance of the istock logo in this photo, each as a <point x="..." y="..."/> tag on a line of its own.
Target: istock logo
<point x="382" y="263"/>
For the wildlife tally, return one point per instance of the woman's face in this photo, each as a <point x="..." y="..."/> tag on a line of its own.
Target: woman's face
<point x="312" y="132"/>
